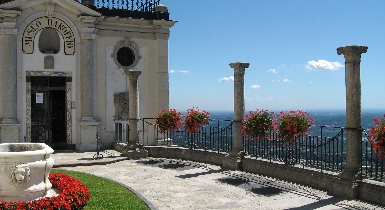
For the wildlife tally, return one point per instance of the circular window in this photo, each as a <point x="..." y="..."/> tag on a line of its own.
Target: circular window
<point x="125" y="56"/>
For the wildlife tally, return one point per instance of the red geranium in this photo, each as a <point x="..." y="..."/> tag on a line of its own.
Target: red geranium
<point x="257" y="124"/>
<point x="168" y="120"/>
<point x="195" y="119"/>
<point x="74" y="195"/>
<point x="376" y="137"/>
<point x="291" y="124"/>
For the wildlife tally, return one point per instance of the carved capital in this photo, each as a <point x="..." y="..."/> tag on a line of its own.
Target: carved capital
<point x="89" y="36"/>
<point x="5" y="31"/>
<point x="239" y="67"/>
<point x="132" y="75"/>
<point x="353" y="53"/>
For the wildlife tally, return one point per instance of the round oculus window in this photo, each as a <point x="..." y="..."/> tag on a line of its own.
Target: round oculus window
<point x="125" y="56"/>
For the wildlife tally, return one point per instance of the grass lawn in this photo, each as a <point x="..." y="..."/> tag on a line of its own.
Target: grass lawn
<point x="106" y="194"/>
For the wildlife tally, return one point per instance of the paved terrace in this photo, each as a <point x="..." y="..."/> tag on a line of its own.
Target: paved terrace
<point x="176" y="184"/>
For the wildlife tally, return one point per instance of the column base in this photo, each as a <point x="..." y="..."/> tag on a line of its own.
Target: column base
<point x="344" y="188"/>
<point x="9" y="133"/>
<point x="352" y="174"/>
<point x="233" y="161"/>
<point x="88" y="141"/>
<point x="134" y="151"/>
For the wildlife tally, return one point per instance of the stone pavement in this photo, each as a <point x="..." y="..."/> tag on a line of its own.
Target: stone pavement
<point x="176" y="184"/>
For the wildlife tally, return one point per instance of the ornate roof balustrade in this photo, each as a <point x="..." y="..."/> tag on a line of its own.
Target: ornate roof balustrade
<point x="146" y="9"/>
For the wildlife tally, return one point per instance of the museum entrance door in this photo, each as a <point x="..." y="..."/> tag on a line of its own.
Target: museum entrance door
<point x="48" y="111"/>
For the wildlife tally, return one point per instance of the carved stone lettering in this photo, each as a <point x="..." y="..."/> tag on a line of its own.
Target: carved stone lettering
<point x="48" y="22"/>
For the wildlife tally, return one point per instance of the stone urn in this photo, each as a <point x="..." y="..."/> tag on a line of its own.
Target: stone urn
<point x="24" y="171"/>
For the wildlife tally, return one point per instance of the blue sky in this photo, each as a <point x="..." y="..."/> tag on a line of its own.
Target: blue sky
<point x="290" y="45"/>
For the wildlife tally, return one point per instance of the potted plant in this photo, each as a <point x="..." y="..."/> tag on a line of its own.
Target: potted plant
<point x="257" y="124"/>
<point x="168" y="120"/>
<point x="195" y="119"/>
<point x="291" y="124"/>
<point x="376" y="137"/>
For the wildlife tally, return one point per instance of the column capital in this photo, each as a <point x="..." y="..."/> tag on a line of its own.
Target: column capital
<point x="352" y="53"/>
<point x="239" y="67"/>
<point x="133" y="75"/>
<point x="88" y="27"/>
<point x="6" y="31"/>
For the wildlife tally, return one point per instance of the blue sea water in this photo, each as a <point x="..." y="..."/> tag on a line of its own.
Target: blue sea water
<point x="332" y="119"/>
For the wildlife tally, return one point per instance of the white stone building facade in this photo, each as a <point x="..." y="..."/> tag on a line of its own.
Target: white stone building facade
<point x="62" y="70"/>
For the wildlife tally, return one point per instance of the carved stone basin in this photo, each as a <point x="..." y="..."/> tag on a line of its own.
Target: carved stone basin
<point x="24" y="170"/>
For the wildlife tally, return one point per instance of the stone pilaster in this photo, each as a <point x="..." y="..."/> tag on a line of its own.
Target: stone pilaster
<point x="88" y="124"/>
<point x="346" y="184"/>
<point x="233" y="161"/>
<point x="88" y="41"/>
<point x="9" y="126"/>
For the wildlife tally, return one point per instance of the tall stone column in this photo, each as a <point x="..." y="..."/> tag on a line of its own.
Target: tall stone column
<point x="233" y="161"/>
<point x="352" y="56"/>
<point x="133" y="111"/>
<point x="134" y="150"/>
<point x="88" y="124"/>
<point x="346" y="184"/>
<point x="9" y="126"/>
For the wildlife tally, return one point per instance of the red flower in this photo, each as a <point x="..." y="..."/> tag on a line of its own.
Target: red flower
<point x="168" y="120"/>
<point x="74" y="195"/>
<point x="376" y="137"/>
<point x="291" y="124"/>
<point x="195" y="119"/>
<point x="257" y="125"/>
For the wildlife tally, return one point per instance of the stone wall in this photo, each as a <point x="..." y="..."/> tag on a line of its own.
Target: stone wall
<point x="368" y="190"/>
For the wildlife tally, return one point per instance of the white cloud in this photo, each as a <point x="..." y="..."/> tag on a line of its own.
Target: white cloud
<point x="227" y="79"/>
<point x="323" y="64"/>
<point x="255" y="86"/>
<point x="179" y="71"/>
<point x="287" y="80"/>
<point x="272" y="71"/>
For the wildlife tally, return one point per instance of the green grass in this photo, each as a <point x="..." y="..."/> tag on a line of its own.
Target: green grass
<point x="106" y="194"/>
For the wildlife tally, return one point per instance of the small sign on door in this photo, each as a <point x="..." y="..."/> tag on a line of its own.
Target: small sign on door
<point x="39" y="98"/>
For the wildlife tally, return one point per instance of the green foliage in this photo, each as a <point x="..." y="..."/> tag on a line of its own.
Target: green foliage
<point x="106" y="194"/>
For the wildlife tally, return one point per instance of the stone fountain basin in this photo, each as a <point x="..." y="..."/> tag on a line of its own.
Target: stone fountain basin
<point x="24" y="171"/>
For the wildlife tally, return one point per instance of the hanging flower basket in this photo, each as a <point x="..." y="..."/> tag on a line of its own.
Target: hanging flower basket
<point x="376" y="137"/>
<point x="257" y="124"/>
<point x="292" y="124"/>
<point x="195" y="119"/>
<point x="168" y="120"/>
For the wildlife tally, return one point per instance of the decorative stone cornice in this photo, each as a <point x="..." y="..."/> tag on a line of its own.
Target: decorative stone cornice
<point x="9" y="19"/>
<point x="352" y="53"/>
<point x="88" y="29"/>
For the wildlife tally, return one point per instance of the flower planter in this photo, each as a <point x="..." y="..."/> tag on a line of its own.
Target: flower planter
<point x="24" y="171"/>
